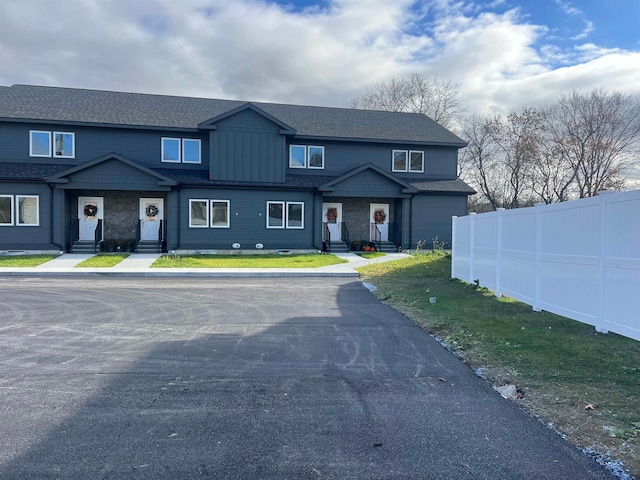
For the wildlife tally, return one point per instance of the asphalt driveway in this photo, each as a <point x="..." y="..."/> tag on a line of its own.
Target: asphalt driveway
<point x="186" y="378"/>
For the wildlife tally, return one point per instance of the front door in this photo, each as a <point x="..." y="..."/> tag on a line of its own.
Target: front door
<point x="151" y="212"/>
<point x="379" y="219"/>
<point x="90" y="210"/>
<point x="332" y="216"/>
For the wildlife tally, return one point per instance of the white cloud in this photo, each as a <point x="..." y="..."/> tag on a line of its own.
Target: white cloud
<point x="327" y="54"/>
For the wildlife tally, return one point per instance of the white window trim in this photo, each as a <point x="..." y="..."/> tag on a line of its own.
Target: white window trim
<point x="309" y="157"/>
<point x="208" y="205"/>
<point x="409" y="161"/>
<point x="162" y="159"/>
<point x="52" y="142"/>
<point x="31" y="132"/>
<point x="304" y="165"/>
<point x="393" y="160"/>
<point x="284" y="214"/>
<point x="199" y="150"/>
<point x="228" y="202"/>
<point x="17" y="211"/>
<point x="11" y="210"/>
<point x="287" y="215"/>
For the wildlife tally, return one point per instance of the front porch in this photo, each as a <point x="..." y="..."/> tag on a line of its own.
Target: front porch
<point x="115" y="221"/>
<point x="353" y="223"/>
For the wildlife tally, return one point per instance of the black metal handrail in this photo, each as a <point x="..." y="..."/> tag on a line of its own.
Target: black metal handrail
<point x="160" y="235"/>
<point x="74" y="232"/>
<point x="326" y="236"/>
<point x="97" y="236"/>
<point x="345" y="235"/>
<point x="376" y="236"/>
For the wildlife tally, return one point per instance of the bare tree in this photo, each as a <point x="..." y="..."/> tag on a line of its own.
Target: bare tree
<point x="419" y="93"/>
<point x="596" y="135"/>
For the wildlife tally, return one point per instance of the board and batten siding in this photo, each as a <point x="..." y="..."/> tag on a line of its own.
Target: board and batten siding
<point x="248" y="220"/>
<point x="247" y="147"/>
<point x="431" y="217"/>
<point x="440" y="163"/>
<point x="27" y="237"/>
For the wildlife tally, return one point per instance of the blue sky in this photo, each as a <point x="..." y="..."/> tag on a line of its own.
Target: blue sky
<point x="502" y="54"/>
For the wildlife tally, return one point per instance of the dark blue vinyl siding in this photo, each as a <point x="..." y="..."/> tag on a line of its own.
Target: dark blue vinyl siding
<point x="440" y="163"/>
<point x="367" y="184"/>
<point x="141" y="146"/>
<point x="23" y="237"/>
<point x="248" y="221"/>
<point x="431" y="217"/>
<point x="113" y="175"/>
<point x="247" y="147"/>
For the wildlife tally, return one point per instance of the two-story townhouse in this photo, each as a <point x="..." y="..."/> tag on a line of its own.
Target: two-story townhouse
<point x="80" y="167"/>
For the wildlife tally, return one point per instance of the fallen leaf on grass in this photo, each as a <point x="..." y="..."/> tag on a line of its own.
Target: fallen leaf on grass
<point x="442" y="379"/>
<point x="589" y="406"/>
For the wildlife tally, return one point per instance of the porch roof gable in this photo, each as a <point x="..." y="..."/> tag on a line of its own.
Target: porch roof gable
<point x="368" y="167"/>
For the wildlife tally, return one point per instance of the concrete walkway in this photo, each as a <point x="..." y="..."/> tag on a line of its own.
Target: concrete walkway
<point x="140" y="265"/>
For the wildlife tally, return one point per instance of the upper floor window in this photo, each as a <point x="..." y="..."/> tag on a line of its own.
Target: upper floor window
<point x="180" y="150"/>
<point x="408" y="161"/>
<point x="41" y="144"/>
<point x="303" y="156"/>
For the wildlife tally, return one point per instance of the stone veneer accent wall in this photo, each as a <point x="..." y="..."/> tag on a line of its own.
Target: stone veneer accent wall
<point x="355" y="213"/>
<point x="121" y="211"/>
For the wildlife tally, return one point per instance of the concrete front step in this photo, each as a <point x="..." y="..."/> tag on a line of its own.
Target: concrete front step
<point x="84" y="247"/>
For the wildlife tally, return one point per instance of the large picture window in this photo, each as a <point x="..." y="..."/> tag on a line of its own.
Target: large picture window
<point x="220" y="213"/>
<point x="6" y="210"/>
<point x="199" y="213"/>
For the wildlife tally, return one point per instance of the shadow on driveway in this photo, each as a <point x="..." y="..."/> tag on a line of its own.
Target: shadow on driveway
<point x="257" y="379"/>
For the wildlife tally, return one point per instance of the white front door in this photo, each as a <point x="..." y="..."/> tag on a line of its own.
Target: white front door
<point x="379" y="219"/>
<point x="151" y="212"/>
<point x="332" y="216"/>
<point x="90" y="210"/>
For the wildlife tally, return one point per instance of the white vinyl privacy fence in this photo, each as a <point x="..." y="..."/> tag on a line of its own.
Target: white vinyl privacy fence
<point x="579" y="259"/>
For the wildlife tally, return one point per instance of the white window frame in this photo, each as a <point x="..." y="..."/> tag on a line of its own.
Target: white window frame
<point x="207" y="206"/>
<point x="228" y="225"/>
<point x="284" y="213"/>
<point x="17" y="211"/>
<point x="31" y="154"/>
<point x="309" y="156"/>
<point x="52" y="143"/>
<point x="11" y="211"/>
<point x="393" y="160"/>
<point x="197" y="140"/>
<point x="411" y="152"/>
<point x="162" y="159"/>
<point x="304" y="163"/>
<point x="287" y="216"/>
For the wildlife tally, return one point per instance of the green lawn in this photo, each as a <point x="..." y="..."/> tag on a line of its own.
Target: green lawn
<point x="247" y="261"/>
<point x="103" y="260"/>
<point x="560" y="365"/>
<point x="24" y="260"/>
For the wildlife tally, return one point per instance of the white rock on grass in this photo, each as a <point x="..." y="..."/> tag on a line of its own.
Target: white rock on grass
<point x="510" y="392"/>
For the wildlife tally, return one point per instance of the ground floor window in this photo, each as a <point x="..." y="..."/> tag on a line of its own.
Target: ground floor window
<point x="27" y="210"/>
<point x="220" y="213"/>
<point x="285" y="214"/>
<point x="205" y="213"/>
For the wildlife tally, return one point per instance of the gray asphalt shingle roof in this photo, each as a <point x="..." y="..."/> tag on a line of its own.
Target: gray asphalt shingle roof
<point x="27" y="102"/>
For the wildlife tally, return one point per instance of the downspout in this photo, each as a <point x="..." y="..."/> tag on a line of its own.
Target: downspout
<point x="60" y="247"/>
<point x="179" y="223"/>
<point x="411" y="221"/>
